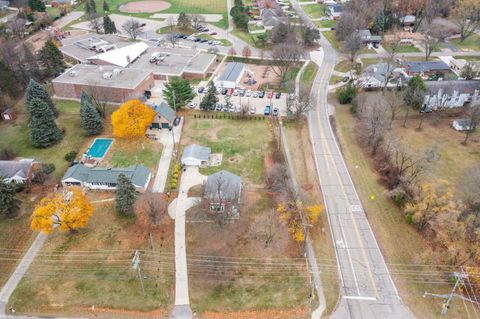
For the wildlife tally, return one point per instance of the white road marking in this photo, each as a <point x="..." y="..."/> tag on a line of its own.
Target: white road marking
<point x="349" y="256"/>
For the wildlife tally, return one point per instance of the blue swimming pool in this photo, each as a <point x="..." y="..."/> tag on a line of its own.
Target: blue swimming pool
<point x="99" y="147"/>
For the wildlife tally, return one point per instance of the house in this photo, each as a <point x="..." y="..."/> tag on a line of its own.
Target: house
<point x="222" y="193"/>
<point x="231" y="76"/>
<point x="9" y="114"/>
<point x="164" y="117"/>
<point x="457" y="65"/>
<point x="462" y="124"/>
<point x="102" y="178"/>
<point x="375" y="75"/>
<point x="115" y="84"/>
<point x="451" y="94"/>
<point x="367" y="37"/>
<point x="272" y="18"/>
<point x="407" y="21"/>
<point x="426" y="68"/>
<point x="17" y="171"/>
<point x="335" y="11"/>
<point x="195" y="155"/>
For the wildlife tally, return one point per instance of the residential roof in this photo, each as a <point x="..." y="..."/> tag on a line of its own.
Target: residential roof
<point x="166" y="111"/>
<point x="408" y="19"/>
<point x="223" y="185"/>
<point x="378" y="70"/>
<point x="364" y="33"/>
<point x="425" y="66"/>
<point x="448" y="87"/>
<point x="20" y="168"/>
<point x="122" y="56"/>
<point x="103" y="76"/>
<point x="196" y="151"/>
<point x="336" y="8"/>
<point x="232" y="71"/>
<point x="138" y="174"/>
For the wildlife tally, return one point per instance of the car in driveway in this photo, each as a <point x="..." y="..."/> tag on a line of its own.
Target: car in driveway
<point x="345" y="79"/>
<point x="201" y="89"/>
<point x="278" y="95"/>
<point x="242" y="92"/>
<point x="224" y="91"/>
<point x="275" y="111"/>
<point x="176" y="121"/>
<point x="266" y="111"/>
<point x="192" y="105"/>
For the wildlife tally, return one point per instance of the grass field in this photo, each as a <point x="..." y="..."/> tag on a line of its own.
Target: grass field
<point x="344" y="66"/>
<point x="402" y="48"/>
<point x="385" y="218"/>
<point x="53" y="12"/>
<point x="326" y="23"/>
<point x="15" y="136"/>
<point x="308" y="75"/>
<point x="330" y="36"/>
<point x="315" y="10"/>
<point x="472" y="43"/>
<point x="93" y="267"/>
<point x="251" y="39"/>
<point x="335" y="79"/>
<point x="125" y="152"/>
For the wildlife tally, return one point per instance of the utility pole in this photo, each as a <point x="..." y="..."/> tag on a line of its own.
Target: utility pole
<point x="460" y="278"/>
<point x="173" y="134"/>
<point x="136" y="266"/>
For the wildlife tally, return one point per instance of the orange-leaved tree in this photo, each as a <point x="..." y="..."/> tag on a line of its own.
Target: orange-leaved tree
<point x="69" y="210"/>
<point x="132" y="119"/>
<point x="292" y="213"/>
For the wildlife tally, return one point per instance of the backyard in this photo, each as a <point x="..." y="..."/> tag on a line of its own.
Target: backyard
<point x="388" y="223"/>
<point x="315" y="10"/>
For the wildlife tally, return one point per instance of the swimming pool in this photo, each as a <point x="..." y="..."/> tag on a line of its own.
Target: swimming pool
<point x="99" y="147"/>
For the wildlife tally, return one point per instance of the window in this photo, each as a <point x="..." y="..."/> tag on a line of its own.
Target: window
<point x="217" y="207"/>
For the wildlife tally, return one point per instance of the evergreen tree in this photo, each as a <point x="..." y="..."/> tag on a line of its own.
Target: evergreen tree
<point x="105" y="6"/>
<point x="210" y="98"/>
<point x="183" y="21"/>
<point x="35" y="90"/>
<point x="9" y="203"/>
<point x="93" y="6"/>
<point x="125" y="195"/>
<point x="43" y="130"/>
<point x="108" y="25"/>
<point x="414" y="95"/>
<point x="51" y="59"/>
<point x="91" y="119"/>
<point x="87" y="8"/>
<point x="36" y="5"/>
<point x="178" y="92"/>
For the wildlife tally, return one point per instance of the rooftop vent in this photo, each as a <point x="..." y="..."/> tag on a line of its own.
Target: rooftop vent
<point x="107" y="75"/>
<point x="117" y="71"/>
<point x="73" y="73"/>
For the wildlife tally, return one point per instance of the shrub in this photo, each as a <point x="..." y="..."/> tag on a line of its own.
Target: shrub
<point x="346" y="94"/>
<point x="41" y="173"/>
<point x="70" y="156"/>
<point x="48" y="168"/>
<point x="7" y="154"/>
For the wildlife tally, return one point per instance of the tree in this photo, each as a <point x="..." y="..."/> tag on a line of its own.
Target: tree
<point x="346" y="94"/>
<point x="375" y="124"/>
<point x="133" y="28"/>
<point x="352" y="44"/>
<point x="466" y="15"/>
<point x="469" y="190"/>
<point x="310" y="36"/>
<point x="172" y="38"/>
<point x="232" y="51"/>
<point x="394" y="106"/>
<point x="125" y="195"/>
<point x="108" y="25"/>
<point x="280" y="33"/>
<point x="210" y="98"/>
<point x="9" y="203"/>
<point x="95" y="22"/>
<point x="35" y="90"/>
<point x="286" y="56"/>
<point x="18" y="27"/>
<point x="349" y="23"/>
<point x="473" y="116"/>
<point x="414" y="95"/>
<point x="171" y="23"/>
<point x="69" y="210"/>
<point x="100" y="97"/>
<point x="51" y="59"/>
<point x="300" y="105"/>
<point x="20" y="60"/>
<point x="246" y="52"/>
<point x="132" y="119"/>
<point x="93" y="6"/>
<point x="178" y="92"/>
<point x="36" y="5"/>
<point x="197" y="20"/>
<point x="91" y="120"/>
<point x="468" y="72"/>
<point x="183" y="21"/>
<point x="106" y="8"/>
<point x="43" y="130"/>
<point x="296" y="216"/>
<point x="154" y="206"/>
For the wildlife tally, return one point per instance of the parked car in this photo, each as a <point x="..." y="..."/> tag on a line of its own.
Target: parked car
<point x="210" y="42"/>
<point x="201" y="89"/>
<point x="261" y="94"/>
<point x="192" y="105"/>
<point x="224" y="109"/>
<point x="275" y="111"/>
<point x="253" y="110"/>
<point x="229" y="92"/>
<point x="248" y="93"/>
<point x="278" y="95"/>
<point x="254" y="94"/>
<point x="203" y="40"/>
<point x="266" y="111"/>
<point x="224" y="91"/>
<point x="219" y="90"/>
<point x="269" y="94"/>
<point x="196" y="40"/>
<point x="242" y="93"/>
<point x="235" y="92"/>
<point x="212" y="33"/>
<point x="176" y="121"/>
<point x="218" y="107"/>
<point x="345" y="79"/>
<point x="231" y="109"/>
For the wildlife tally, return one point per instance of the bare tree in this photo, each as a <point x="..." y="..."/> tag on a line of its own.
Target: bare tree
<point x="349" y="23"/>
<point x="171" y="23"/>
<point x="473" y="117"/>
<point x="466" y="15"/>
<point x="266" y="227"/>
<point x="95" y="22"/>
<point x="197" y="20"/>
<point x="394" y="104"/>
<point x="221" y="197"/>
<point x="352" y="44"/>
<point x="133" y="28"/>
<point x="433" y="34"/>
<point x="101" y="96"/>
<point x="154" y="206"/>
<point x="300" y="105"/>
<point x="172" y="39"/>
<point x="18" y="27"/>
<point x="19" y="58"/>
<point x="246" y="52"/>
<point x="286" y="56"/>
<point x="244" y="109"/>
<point x="375" y="124"/>
<point x="232" y="51"/>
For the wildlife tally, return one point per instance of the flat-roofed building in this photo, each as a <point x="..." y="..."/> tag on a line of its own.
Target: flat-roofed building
<point x="231" y="76"/>
<point x="122" y="57"/>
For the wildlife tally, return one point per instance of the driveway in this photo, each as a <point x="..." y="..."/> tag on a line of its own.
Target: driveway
<point x="190" y="177"/>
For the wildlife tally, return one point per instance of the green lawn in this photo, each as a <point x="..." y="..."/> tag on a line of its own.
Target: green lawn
<point x="251" y="39"/>
<point x="367" y="62"/>
<point x="330" y="36"/>
<point x="125" y="152"/>
<point x="15" y="136"/>
<point x="224" y="42"/>
<point x="472" y="43"/>
<point x="402" y="48"/>
<point x="344" y="66"/>
<point x="326" y="23"/>
<point x="315" y="10"/>
<point x="335" y="79"/>
<point x="53" y="12"/>
<point x="306" y="79"/>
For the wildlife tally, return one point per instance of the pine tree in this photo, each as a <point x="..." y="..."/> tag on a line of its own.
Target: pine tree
<point x="43" y="130"/>
<point x="105" y="6"/>
<point x="183" y="21"/>
<point x="88" y="9"/>
<point x="210" y="98"/>
<point x="93" y="6"/>
<point x="35" y="90"/>
<point x="108" y="25"/>
<point x="178" y="92"/>
<point x="125" y="195"/>
<point x="36" y="5"/>
<point x="51" y="59"/>
<point x="91" y="119"/>
<point x="9" y="203"/>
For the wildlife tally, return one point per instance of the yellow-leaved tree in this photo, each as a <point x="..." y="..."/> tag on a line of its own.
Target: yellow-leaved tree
<point x="132" y="119"/>
<point x="69" y="210"/>
<point x="292" y="212"/>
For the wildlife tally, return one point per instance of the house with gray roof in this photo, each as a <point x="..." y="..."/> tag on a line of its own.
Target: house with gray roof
<point x="103" y="178"/>
<point x="18" y="171"/>
<point x="375" y="75"/>
<point x="231" y="76"/>
<point x="195" y="155"/>
<point x="222" y="192"/>
<point x="426" y="68"/>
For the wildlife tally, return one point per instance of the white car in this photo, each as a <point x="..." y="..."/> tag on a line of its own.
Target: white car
<point x="235" y="92"/>
<point x="255" y="94"/>
<point x="253" y="110"/>
<point x="248" y="93"/>
<point x="192" y="105"/>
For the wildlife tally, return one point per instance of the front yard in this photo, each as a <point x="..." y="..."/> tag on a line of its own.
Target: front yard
<point x="472" y="43"/>
<point x="315" y="11"/>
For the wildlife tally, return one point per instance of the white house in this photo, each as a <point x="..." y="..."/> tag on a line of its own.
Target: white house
<point x="18" y="172"/>
<point x="231" y="76"/>
<point x="451" y="94"/>
<point x="195" y="155"/>
<point x="102" y="178"/>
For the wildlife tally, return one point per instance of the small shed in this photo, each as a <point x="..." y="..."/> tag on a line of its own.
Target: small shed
<point x="195" y="155"/>
<point x="462" y="124"/>
<point x="165" y="116"/>
<point x="9" y="114"/>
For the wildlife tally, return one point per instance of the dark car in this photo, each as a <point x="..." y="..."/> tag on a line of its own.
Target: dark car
<point x="278" y="95"/>
<point x="176" y="121"/>
<point x="197" y="40"/>
<point x="266" y="111"/>
<point x="203" y="40"/>
<point x="345" y="79"/>
<point x="241" y="93"/>
<point x="200" y="89"/>
<point x="261" y="94"/>
<point x="224" y="91"/>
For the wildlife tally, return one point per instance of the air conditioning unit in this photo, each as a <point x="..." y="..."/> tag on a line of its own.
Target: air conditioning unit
<point x="73" y="73"/>
<point x="107" y="75"/>
<point x="117" y="71"/>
